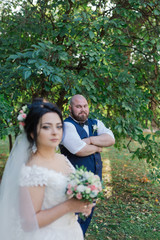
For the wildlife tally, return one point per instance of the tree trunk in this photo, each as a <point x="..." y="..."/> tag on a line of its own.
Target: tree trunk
<point x="10" y="142"/>
<point x="154" y="122"/>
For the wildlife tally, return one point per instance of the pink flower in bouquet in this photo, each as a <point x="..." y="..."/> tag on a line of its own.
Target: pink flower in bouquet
<point x="69" y="192"/>
<point x="92" y="187"/>
<point x="79" y="196"/>
<point x="69" y="186"/>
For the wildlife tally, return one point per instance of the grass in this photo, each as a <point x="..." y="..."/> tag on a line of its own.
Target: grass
<point x="4" y="152"/>
<point x="132" y="208"/>
<point x="131" y="205"/>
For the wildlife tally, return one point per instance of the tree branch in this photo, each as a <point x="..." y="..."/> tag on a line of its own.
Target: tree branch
<point x="128" y="146"/>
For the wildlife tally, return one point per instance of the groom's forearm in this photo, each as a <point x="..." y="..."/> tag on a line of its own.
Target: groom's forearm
<point x="88" y="150"/>
<point x="103" y="140"/>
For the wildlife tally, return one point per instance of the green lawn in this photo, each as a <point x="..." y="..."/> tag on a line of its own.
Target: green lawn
<point x="131" y="205"/>
<point x="133" y="209"/>
<point x="3" y="154"/>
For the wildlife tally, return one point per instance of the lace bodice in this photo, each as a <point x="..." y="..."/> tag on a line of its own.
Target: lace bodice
<point x="55" y="183"/>
<point x="66" y="227"/>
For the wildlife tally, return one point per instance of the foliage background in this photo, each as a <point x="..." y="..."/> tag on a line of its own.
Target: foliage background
<point x="106" y="50"/>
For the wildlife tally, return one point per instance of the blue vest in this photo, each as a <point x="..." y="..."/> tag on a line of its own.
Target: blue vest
<point x="92" y="162"/>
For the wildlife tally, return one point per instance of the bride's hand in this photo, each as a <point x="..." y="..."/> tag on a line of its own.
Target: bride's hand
<point x="87" y="209"/>
<point x="80" y="206"/>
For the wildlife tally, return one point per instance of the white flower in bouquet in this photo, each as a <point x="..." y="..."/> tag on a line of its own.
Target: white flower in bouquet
<point x="88" y="190"/>
<point x="81" y="188"/>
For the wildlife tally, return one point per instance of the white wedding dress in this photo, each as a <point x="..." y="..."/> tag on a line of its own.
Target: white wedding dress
<point x="66" y="227"/>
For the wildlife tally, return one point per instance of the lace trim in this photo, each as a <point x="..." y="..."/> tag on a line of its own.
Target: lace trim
<point x="33" y="176"/>
<point x="38" y="176"/>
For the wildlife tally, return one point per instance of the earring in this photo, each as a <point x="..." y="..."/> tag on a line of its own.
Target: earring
<point x="57" y="148"/>
<point x="34" y="147"/>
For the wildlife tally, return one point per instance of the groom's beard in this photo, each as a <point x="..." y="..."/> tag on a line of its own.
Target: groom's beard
<point x="80" y="117"/>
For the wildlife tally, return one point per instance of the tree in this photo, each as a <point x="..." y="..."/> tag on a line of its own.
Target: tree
<point x="6" y="125"/>
<point x="110" y="54"/>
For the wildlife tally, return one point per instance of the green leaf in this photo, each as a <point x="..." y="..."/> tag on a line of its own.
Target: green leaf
<point x="156" y="12"/>
<point x="58" y="79"/>
<point x="91" y="34"/>
<point x="73" y="91"/>
<point x="31" y="61"/>
<point x="13" y="57"/>
<point x="157" y="133"/>
<point x="63" y="56"/>
<point x="147" y="137"/>
<point x="88" y="88"/>
<point x="158" y="47"/>
<point x="55" y="79"/>
<point x="93" y="98"/>
<point x="27" y="74"/>
<point x="91" y="59"/>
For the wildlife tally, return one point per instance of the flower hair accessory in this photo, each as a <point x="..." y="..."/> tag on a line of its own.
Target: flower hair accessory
<point x="95" y="128"/>
<point x="22" y="116"/>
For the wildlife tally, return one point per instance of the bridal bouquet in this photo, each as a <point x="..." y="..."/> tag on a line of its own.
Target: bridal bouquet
<point x="84" y="185"/>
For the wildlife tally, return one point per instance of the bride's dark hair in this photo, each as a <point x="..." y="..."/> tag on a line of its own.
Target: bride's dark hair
<point x="36" y="110"/>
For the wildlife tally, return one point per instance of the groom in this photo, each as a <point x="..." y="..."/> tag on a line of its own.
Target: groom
<point x="83" y="140"/>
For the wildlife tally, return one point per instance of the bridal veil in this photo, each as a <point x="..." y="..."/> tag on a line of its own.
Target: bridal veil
<point x="17" y="216"/>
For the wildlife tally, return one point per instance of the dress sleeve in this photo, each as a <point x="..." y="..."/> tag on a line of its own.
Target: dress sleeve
<point x="33" y="176"/>
<point x="71" y="140"/>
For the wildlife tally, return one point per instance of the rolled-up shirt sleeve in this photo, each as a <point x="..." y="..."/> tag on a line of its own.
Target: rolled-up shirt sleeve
<point x="102" y="129"/>
<point x="71" y="140"/>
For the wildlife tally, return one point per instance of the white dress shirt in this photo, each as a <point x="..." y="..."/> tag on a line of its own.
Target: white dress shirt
<point x="71" y="139"/>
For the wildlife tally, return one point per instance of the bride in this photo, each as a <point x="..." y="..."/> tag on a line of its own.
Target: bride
<point x="33" y="202"/>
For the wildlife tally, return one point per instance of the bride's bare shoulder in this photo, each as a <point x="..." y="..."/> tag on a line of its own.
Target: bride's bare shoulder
<point x="32" y="161"/>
